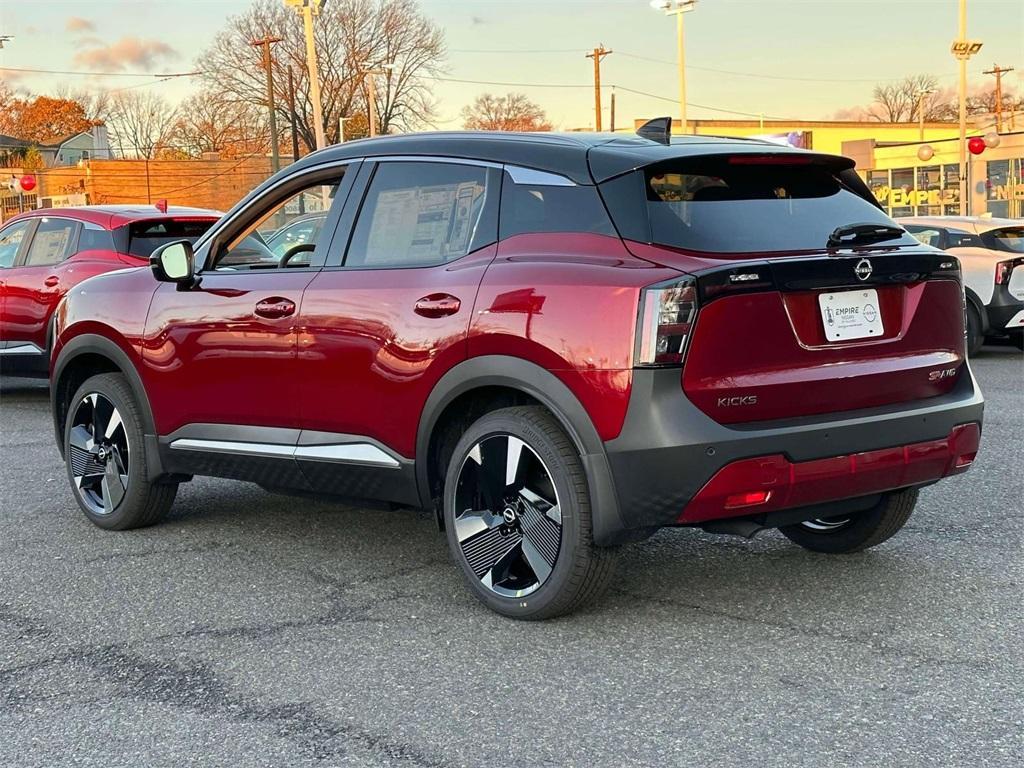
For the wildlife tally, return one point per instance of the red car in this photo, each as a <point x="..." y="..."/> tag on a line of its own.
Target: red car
<point x="556" y="343"/>
<point x="44" y="253"/>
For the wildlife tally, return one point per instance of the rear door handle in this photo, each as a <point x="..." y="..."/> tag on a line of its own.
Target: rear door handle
<point x="51" y="281"/>
<point x="438" y="305"/>
<point x="275" y="307"/>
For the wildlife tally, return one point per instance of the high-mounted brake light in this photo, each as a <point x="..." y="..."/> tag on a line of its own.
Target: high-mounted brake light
<point x="665" y="320"/>
<point x="782" y="158"/>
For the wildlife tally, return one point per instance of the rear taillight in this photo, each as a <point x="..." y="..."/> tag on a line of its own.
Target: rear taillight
<point x="667" y="311"/>
<point x="1003" y="270"/>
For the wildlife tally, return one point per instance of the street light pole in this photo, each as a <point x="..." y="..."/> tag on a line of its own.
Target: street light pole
<point x="371" y="94"/>
<point x="677" y="8"/>
<point x="920" y="110"/>
<point x="962" y="95"/>
<point x="309" y="8"/>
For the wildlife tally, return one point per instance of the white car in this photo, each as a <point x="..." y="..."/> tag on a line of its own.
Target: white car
<point x="991" y="254"/>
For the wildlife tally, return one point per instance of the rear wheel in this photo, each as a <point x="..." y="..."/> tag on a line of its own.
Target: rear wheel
<point x="975" y="336"/>
<point x="853" y="533"/>
<point x="106" y="463"/>
<point x="517" y="514"/>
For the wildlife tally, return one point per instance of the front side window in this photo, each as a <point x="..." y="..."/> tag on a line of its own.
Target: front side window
<point x="258" y="245"/>
<point x="51" y="242"/>
<point x="10" y="241"/>
<point x="303" y="230"/>
<point x="928" y="235"/>
<point x="423" y="213"/>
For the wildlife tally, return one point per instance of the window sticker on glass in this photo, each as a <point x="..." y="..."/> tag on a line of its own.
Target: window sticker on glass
<point x="424" y="224"/>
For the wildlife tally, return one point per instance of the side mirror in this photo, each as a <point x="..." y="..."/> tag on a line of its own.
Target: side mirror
<point x="174" y="263"/>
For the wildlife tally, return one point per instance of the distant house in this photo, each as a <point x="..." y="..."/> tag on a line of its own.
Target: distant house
<point x="70" y="150"/>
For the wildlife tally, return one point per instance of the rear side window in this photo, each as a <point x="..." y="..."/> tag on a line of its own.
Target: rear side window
<point x="418" y="214"/>
<point x="739" y="205"/>
<point x="957" y="238"/>
<point x="1010" y="239"/>
<point x="146" y="236"/>
<point x="95" y="238"/>
<point x="533" y="208"/>
<point x="52" y="242"/>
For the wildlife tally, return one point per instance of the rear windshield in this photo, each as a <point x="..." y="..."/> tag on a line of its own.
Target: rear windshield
<point x="736" y="205"/>
<point x="1010" y="239"/>
<point x="146" y="236"/>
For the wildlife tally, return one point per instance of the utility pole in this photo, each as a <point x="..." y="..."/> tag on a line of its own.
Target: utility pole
<point x="677" y="8"/>
<point x="920" y="110"/>
<point x="998" y="72"/>
<point x="612" y="115"/>
<point x="292" y="115"/>
<point x="597" y="55"/>
<point x="275" y="153"/>
<point x="308" y="9"/>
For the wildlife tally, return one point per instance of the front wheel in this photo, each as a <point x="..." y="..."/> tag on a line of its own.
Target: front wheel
<point x="517" y="515"/>
<point x="856" y="532"/>
<point x="106" y="463"/>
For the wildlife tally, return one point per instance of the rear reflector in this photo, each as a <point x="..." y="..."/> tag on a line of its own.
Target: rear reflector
<point x="771" y="483"/>
<point x="748" y="499"/>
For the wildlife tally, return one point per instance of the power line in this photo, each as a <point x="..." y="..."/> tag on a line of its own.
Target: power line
<point x="97" y="74"/>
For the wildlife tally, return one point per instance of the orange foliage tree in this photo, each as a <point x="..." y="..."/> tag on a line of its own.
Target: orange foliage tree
<point x="42" y="119"/>
<point x="511" y="112"/>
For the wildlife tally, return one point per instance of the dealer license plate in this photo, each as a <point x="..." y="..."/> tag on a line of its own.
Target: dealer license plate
<point x="850" y="314"/>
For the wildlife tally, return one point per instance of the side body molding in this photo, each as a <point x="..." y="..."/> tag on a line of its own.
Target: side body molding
<point x="529" y="378"/>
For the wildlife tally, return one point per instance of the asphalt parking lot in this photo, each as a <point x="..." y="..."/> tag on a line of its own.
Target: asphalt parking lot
<point x="251" y="629"/>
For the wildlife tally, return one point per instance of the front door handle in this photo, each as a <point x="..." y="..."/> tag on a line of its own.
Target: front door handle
<point x="275" y="307"/>
<point x="438" y="305"/>
<point x="51" y="281"/>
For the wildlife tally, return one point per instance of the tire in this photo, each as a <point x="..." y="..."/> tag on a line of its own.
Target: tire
<point x="108" y="476"/>
<point x="495" y="510"/>
<point x="841" y="536"/>
<point x="975" y="336"/>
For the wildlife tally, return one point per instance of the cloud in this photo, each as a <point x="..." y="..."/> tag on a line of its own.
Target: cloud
<point x="126" y="53"/>
<point x="78" y="24"/>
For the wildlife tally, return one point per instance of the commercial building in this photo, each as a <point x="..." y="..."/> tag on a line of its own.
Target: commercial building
<point x="887" y="157"/>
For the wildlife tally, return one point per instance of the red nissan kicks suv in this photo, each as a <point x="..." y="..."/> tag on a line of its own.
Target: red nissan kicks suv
<point x="46" y="252"/>
<point x="558" y="343"/>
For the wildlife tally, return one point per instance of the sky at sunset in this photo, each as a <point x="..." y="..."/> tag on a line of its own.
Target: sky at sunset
<point x="785" y="58"/>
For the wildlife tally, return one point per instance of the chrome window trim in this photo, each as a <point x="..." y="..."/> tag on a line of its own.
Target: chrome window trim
<point x="533" y="178"/>
<point x="341" y="453"/>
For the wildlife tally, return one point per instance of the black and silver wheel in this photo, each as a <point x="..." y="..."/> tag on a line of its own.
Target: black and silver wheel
<point x="844" y="534"/>
<point x="517" y="515"/>
<point x="105" y="459"/>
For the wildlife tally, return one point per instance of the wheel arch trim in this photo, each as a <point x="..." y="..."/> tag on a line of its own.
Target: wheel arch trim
<point x="537" y="382"/>
<point x="94" y="344"/>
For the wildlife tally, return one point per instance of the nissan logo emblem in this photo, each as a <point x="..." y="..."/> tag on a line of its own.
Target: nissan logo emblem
<point x="863" y="269"/>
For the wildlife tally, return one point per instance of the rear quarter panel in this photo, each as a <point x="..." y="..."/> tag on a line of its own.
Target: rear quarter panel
<point x="978" y="266"/>
<point x="567" y="303"/>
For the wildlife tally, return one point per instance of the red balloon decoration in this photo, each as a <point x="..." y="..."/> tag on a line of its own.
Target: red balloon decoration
<point x="28" y="183"/>
<point x="976" y="145"/>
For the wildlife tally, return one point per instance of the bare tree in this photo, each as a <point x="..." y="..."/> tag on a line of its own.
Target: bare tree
<point x="511" y="112"/>
<point x="209" y="122"/>
<point x="897" y="102"/>
<point x="352" y="37"/>
<point x="140" y="123"/>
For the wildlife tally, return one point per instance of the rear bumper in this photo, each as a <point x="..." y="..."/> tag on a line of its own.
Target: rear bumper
<point x="1005" y="311"/>
<point x="674" y="465"/>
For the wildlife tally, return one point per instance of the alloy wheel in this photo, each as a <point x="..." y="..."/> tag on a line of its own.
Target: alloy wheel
<point x="508" y="522"/>
<point x="99" y="454"/>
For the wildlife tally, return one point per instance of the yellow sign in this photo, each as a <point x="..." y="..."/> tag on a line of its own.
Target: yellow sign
<point x="900" y="197"/>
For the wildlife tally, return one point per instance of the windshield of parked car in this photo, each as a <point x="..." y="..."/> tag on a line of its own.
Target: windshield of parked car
<point x="1007" y="239"/>
<point x="744" y="204"/>
<point x="146" y="236"/>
